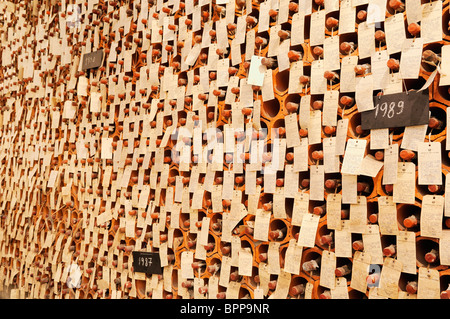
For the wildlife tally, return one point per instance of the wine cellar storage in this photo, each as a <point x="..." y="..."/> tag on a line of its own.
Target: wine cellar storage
<point x="224" y="149"/>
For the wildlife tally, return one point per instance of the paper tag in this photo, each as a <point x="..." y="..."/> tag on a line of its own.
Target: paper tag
<point x="370" y="166"/>
<point x="258" y="293"/>
<point x="293" y="258"/>
<point x="444" y="248"/>
<point x="331" y="53"/>
<point x="264" y="17"/>
<point x="372" y="243"/>
<point x="298" y="24"/>
<point x="295" y="72"/>
<point x="222" y="72"/>
<point x="267" y="89"/>
<point x="270" y="175"/>
<point x="444" y="78"/>
<point x="358" y="215"/>
<point x="341" y="136"/>
<point x="317" y="182"/>
<point x="202" y="236"/>
<point x="412" y="136"/>
<point x="431" y="23"/>
<point x="318" y="81"/>
<point x="221" y="34"/>
<point x="282" y="289"/>
<point x="253" y="199"/>
<point x="360" y="270"/>
<point x="187" y="258"/>
<point x="411" y="58"/>
<point x="429" y="163"/>
<point x="273" y="258"/>
<point x="376" y="11"/>
<point x="366" y="43"/>
<point x="354" y="155"/>
<point x="317" y="30"/>
<point x="330" y="159"/>
<point x="262" y="219"/>
<point x="327" y="268"/>
<point x="245" y="262"/>
<point x="279" y="209"/>
<point x="301" y="156"/>
<point x="307" y="235"/>
<point x="334" y="207"/>
<point x="348" y="75"/>
<point x="431" y="216"/>
<point x="213" y="287"/>
<point x="249" y="44"/>
<point x="343" y="240"/>
<point x="292" y="136"/>
<point x="413" y="10"/>
<point x="340" y="290"/>
<point x="404" y="188"/>
<point x="379" y="68"/>
<point x="379" y="139"/>
<point x="282" y="56"/>
<point x="315" y="127"/>
<point x="347" y="14"/>
<point x="330" y="108"/>
<point x="235" y="250"/>
<point x="387" y="216"/>
<point x="216" y="198"/>
<point x="300" y="208"/>
<point x="264" y="277"/>
<point x="447" y="197"/>
<point x="274" y="41"/>
<point x="349" y="189"/>
<point x="389" y="278"/>
<point x="291" y="181"/>
<point x="225" y="269"/>
<point x="308" y="290"/>
<point x="406" y="251"/>
<point x="395" y="33"/>
<point x="304" y="111"/>
<point x="364" y="93"/>
<point x="390" y="165"/>
<point x="428" y="286"/>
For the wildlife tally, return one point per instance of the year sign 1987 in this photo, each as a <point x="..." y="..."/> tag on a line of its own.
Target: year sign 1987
<point x="397" y="110"/>
<point x="147" y="262"/>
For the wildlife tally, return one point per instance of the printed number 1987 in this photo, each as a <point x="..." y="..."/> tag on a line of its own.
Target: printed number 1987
<point x="143" y="261"/>
<point x="389" y="110"/>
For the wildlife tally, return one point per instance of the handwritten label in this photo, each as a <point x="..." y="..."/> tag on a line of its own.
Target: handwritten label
<point x="147" y="262"/>
<point x="92" y="60"/>
<point x="397" y="110"/>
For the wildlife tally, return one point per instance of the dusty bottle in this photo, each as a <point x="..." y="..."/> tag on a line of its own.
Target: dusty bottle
<point x="358" y="245"/>
<point x="297" y="290"/>
<point x="431" y="256"/>
<point x="389" y="251"/>
<point x="343" y="270"/>
<point x="311" y="265"/>
<point x="410" y="221"/>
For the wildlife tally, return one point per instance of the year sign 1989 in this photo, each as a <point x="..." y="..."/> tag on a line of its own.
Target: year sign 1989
<point x="397" y="110"/>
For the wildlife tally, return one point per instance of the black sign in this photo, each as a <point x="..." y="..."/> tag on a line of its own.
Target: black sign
<point x="397" y="110"/>
<point x="92" y="60"/>
<point x="146" y="262"/>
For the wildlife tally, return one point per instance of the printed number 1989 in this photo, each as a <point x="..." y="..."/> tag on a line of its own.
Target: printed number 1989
<point x="389" y="110"/>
